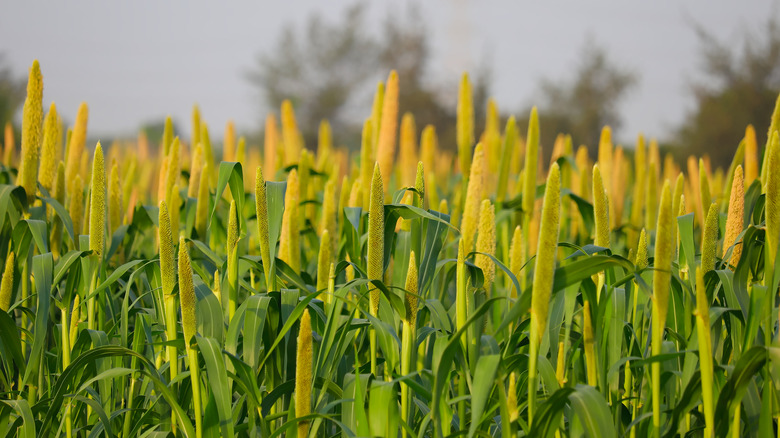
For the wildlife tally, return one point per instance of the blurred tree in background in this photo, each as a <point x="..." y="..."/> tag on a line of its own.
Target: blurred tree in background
<point x="12" y="93"/>
<point x="582" y="105"/>
<point x="739" y="87"/>
<point x="330" y="71"/>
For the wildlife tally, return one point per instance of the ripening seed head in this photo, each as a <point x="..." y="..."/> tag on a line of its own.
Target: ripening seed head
<point x="531" y="163"/>
<point x="195" y="137"/>
<point x="410" y="300"/>
<point x="325" y="142"/>
<point x="419" y="185"/>
<point x="289" y="248"/>
<point x="367" y="159"/>
<point x="641" y="251"/>
<point x="97" y="204"/>
<point x="773" y="126"/>
<point x="704" y="189"/>
<point x="50" y="155"/>
<point x="167" y="263"/>
<point x="510" y="143"/>
<point x="605" y="150"/>
<point x="32" y="126"/>
<point x="270" y="145"/>
<point x="76" y="147"/>
<point x="516" y="255"/>
<point x="303" y="371"/>
<point x="229" y="143"/>
<point x="376" y="231"/>
<point x="709" y="240"/>
<point x="751" y="155"/>
<point x="167" y="139"/>
<point x="76" y="207"/>
<point x="261" y="210"/>
<point x="324" y="261"/>
<point x="663" y="253"/>
<point x="8" y="145"/>
<point x="600" y="208"/>
<point x="486" y="243"/>
<point x="58" y="190"/>
<point x="115" y="207"/>
<point x="7" y="283"/>
<point x="734" y="220"/>
<point x="232" y="229"/>
<point x="385" y="149"/>
<point x="162" y="179"/>
<point x="546" y="252"/>
<point x="443" y="207"/>
<point x="195" y="170"/>
<point x="187" y="294"/>
<point x="773" y="197"/>
<point x="202" y="207"/>
<point x="474" y="195"/>
<point x="408" y="149"/>
<point x="428" y="145"/>
<point x="173" y="169"/>
<point x="465" y="124"/>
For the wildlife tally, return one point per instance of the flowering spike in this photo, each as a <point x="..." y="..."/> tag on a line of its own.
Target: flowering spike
<point x="474" y="195"/>
<point x="202" y="207"/>
<point x="271" y="144"/>
<point x="114" y="200"/>
<point x="773" y="198"/>
<point x="167" y="263"/>
<point x="385" y="149"/>
<point x="229" y="143"/>
<point x="376" y="235"/>
<point x="486" y="243"/>
<point x="546" y="253"/>
<point x="196" y="168"/>
<point x="50" y="155"/>
<point x="751" y="155"/>
<point x="76" y="148"/>
<point x="7" y="283"/>
<point x="97" y="204"/>
<point x="187" y="294"/>
<point x="510" y="141"/>
<point x="323" y="262"/>
<point x="32" y="125"/>
<point x="465" y="124"/>
<point x="709" y="240"/>
<point x="600" y="208"/>
<point x="303" y="370"/>
<point x="289" y="248"/>
<point x="408" y="149"/>
<point x="76" y="207"/>
<point x="734" y="220"/>
<point x="261" y="210"/>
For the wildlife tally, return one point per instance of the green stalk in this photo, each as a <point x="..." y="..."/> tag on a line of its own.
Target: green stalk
<point x="661" y="279"/>
<point x="408" y="336"/>
<point x="232" y="260"/>
<point x="66" y="363"/>
<point x="705" y="353"/>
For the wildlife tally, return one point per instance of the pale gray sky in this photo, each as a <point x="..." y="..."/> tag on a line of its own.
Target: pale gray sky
<point x="135" y="62"/>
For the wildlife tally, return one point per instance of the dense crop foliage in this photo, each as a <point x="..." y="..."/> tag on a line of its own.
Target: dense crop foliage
<point x="149" y="291"/>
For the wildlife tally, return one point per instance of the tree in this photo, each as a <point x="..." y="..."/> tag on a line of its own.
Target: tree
<point x="739" y="87"/>
<point x="584" y="104"/>
<point x="332" y="71"/>
<point x="12" y="93"/>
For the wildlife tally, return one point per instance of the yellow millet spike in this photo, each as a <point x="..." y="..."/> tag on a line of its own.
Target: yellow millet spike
<point x="50" y="154"/>
<point x="605" y="150"/>
<point x="328" y="220"/>
<point x="229" y="142"/>
<point x="465" y="124"/>
<point x="751" y="155"/>
<point x="376" y="238"/>
<point x="704" y="190"/>
<point x="323" y="263"/>
<point x="115" y="208"/>
<point x="443" y="207"/>
<point x="651" y="197"/>
<point x="167" y="263"/>
<point x="76" y="206"/>
<point x="367" y="160"/>
<point x="356" y="194"/>
<point x="516" y="256"/>
<point x="195" y="135"/>
<point x="660" y="299"/>
<point x="187" y="296"/>
<point x="175" y="207"/>
<point x="474" y="195"/>
<point x="97" y="204"/>
<point x="174" y="166"/>
<point x="376" y="120"/>
<point x="129" y="184"/>
<point x="641" y="251"/>
<point x="58" y="193"/>
<point x="772" y="207"/>
<point x="325" y="143"/>
<point x="600" y="209"/>
<point x="677" y="202"/>
<point x="618" y="189"/>
<point x="7" y="283"/>
<point x="492" y="136"/>
<point x="289" y="247"/>
<point x="76" y="147"/>
<point x="385" y="148"/>
<point x="410" y="298"/>
<point x="510" y="142"/>
<point x="734" y="220"/>
<point x="546" y="253"/>
<point x="202" y="206"/>
<point x="196" y="168"/>
<point x="773" y="125"/>
<point x="32" y="127"/>
<point x="162" y="179"/>
<point x="486" y="243"/>
<point x="205" y="140"/>
<point x="408" y="149"/>
<point x="270" y="146"/>
<point x="290" y="135"/>
<point x="428" y="146"/>
<point x="709" y="240"/>
<point x="303" y="377"/>
<point x="167" y="138"/>
<point x="9" y="147"/>
<point x="261" y="210"/>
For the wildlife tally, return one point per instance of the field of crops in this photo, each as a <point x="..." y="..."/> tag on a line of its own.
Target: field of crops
<point x="150" y="289"/>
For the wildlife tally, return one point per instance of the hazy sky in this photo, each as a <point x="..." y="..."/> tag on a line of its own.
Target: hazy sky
<point x="136" y="61"/>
